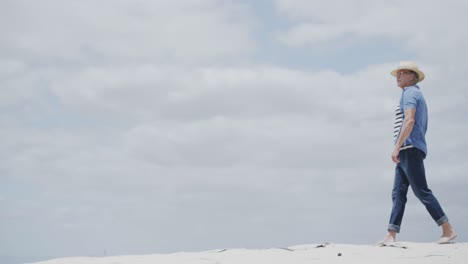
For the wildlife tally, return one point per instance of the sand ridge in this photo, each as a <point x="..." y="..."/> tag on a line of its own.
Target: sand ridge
<point x="401" y="252"/>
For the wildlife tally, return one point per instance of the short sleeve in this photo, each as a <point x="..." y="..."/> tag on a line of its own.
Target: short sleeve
<point x="410" y="99"/>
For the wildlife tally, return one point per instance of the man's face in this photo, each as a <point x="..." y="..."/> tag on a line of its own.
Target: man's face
<point x="404" y="78"/>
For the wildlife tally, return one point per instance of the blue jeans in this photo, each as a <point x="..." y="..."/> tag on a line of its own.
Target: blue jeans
<point x="410" y="172"/>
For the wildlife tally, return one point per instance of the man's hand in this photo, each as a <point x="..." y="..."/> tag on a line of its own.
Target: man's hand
<point x="396" y="152"/>
<point x="406" y="128"/>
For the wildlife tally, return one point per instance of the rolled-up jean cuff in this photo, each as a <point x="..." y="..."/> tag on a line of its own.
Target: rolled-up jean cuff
<point x="442" y="220"/>
<point x="393" y="228"/>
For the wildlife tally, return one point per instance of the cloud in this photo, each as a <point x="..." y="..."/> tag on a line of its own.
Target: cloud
<point x="193" y="140"/>
<point x="16" y="80"/>
<point x="414" y="23"/>
<point x="308" y="34"/>
<point x="110" y="31"/>
<point x="164" y="93"/>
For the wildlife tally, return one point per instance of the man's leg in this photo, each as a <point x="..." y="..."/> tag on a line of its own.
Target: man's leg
<point x="413" y="168"/>
<point x="400" y="189"/>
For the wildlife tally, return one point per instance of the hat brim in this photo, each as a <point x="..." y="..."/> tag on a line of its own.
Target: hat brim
<point x="421" y="74"/>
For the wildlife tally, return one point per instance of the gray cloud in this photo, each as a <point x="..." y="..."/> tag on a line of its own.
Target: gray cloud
<point x="131" y="31"/>
<point x="434" y="23"/>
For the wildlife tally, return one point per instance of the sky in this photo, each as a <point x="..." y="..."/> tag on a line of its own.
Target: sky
<point x="139" y="127"/>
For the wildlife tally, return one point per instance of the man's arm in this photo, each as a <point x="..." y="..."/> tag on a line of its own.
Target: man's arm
<point x="406" y="128"/>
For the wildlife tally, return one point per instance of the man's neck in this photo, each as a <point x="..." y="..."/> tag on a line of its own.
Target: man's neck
<point x="406" y="86"/>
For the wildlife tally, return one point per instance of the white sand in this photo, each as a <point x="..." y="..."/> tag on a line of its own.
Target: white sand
<point x="403" y="252"/>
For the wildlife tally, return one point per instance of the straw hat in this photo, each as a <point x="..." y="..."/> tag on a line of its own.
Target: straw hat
<point x="409" y="65"/>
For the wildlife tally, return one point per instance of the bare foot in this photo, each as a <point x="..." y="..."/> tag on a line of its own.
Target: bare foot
<point x="447" y="238"/>
<point x="389" y="239"/>
<point x="448" y="234"/>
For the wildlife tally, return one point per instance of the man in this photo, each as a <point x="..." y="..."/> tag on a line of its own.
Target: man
<point x="409" y="153"/>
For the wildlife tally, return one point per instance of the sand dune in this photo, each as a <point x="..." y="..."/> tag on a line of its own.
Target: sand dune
<point x="402" y="252"/>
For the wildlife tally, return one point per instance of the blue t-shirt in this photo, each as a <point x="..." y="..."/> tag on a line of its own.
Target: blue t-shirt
<point x="412" y="98"/>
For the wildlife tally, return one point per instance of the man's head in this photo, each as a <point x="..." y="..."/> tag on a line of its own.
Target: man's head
<point x="406" y="78"/>
<point x="407" y="74"/>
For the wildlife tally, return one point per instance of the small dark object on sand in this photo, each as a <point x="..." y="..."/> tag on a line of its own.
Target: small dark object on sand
<point x="339" y="254"/>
